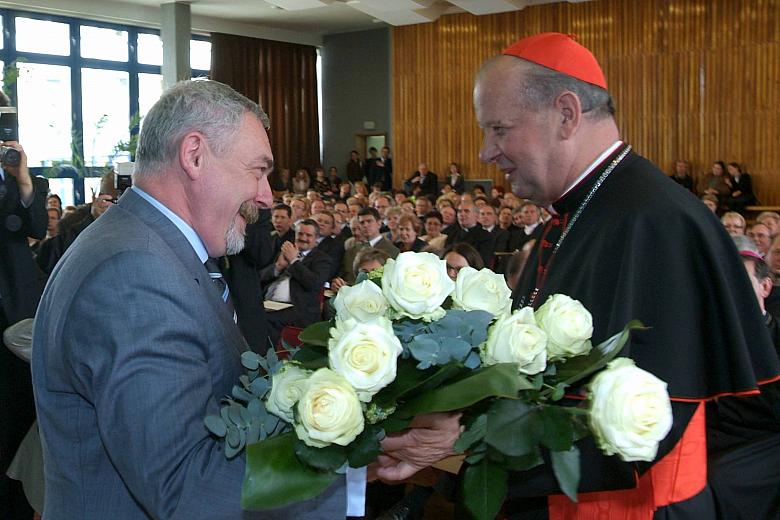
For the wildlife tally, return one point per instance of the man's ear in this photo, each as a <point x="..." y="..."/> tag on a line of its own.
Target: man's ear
<point x="766" y="287"/>
<point x="568" y="106"/>
<point x="192" y="153"/>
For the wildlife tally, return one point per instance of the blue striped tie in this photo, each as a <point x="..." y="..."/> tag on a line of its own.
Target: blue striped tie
<point x="212" y="266"/>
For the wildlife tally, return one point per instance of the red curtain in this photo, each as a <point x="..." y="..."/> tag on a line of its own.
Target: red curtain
<point x="282" y="78"/>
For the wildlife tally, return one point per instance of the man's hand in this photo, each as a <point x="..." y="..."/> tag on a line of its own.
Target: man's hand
<point x="21" y="173"/>
<point x="336" y="284"/>
<point x="289" y="252"/>
<point x="428" y="440"/>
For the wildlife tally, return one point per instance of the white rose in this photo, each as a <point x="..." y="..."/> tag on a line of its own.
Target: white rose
<point x="329" y="411"/>
<point x="365" y="354"/>
<point x="363" y="302"/>
<point x="517" y="339"/>
<point x="630" y="411"/>
<point x="482" y="290"/>
<point x="568" y="325"/>
<point x="287" y="386"/>
<point x="416" y="284"/>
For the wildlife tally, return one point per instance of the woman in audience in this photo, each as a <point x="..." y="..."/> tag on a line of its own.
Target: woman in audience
<point x="714" y="183"/>
<point x="734" y="223"/>
<point x="393" y="216"/>
<point x="711" y="201"/>
<point x="408" y="230"/>
<point x="334" y="179"/>
<point x="301" y="181"/>
<point x="399" y="196"/>
<point x="345" y="191"/>
<point x="741" y="188"/>
<point x="360" y="190"/>
<point x="433" y="235"/>
<point x="771" y="220"/>
<point x="460" y="255"/>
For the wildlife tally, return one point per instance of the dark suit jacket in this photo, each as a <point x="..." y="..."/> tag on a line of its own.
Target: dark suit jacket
<point x="241" y="274"/>
<point x="334" y="248"/>
<point x="429" y="185"/>
<point x="132" y="348"/>
<point x="307" y="277"/>
<point x="459" y="183"/>
<point x="19" y="288"/>
<point x="477" y="237"/>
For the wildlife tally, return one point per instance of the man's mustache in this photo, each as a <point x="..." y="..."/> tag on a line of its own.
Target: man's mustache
<point x="249" y="211"/>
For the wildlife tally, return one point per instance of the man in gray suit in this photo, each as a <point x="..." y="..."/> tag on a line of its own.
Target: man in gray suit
<point x="134" y="342"/>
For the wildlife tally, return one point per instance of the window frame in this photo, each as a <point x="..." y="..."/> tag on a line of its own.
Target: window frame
<point x="9" y="55"/>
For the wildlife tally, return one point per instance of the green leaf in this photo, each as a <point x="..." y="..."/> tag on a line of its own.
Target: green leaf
<point x="559" y="432"/>
<point x="275" y="477"/>
<point x="316" y="334"/>
<point x="394" y="424"/>
<point x="580" y="367"/>
<point x="250" y="360"/>
<point x="513" y="427"/>
<point x="329" y="458"/>
<point x="215" y="425"/>
<point x="500" y="380"/>
<point x="409" y="381"/>
<point x="523" y="462"/>
<point x="311" y="358"/>
<point x="365" y="449"/>
<point x="566" y="466"/>
<point x="484" y="488"/>
<point x="475" y="431"/>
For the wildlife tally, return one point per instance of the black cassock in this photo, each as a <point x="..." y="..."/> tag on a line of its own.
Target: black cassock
<point x="644" y="248"/>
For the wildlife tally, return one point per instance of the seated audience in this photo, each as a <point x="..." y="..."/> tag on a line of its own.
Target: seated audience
<point x="759" y="233"/>
<point x="425" y="180"/>
<point x="470" y="232"/>
<point x="741" y="187"/>
<point x="714" y="183"/>
<point x="282" y="222"/>
<point x="771" y="220"/>
<point x="433" y="235"/>
<point x="301" y="181"/>
<point x="329" y="243"/>
<point x="682" y="176"/>
<point x="422" y="206"/>
<point x="334" y="180"/>
<point x="408" y="228"/>
<point x="321" y="183"/>
<point x="455" y="179"/>
<point x="300" y="208"/>
<point x="711" y="201"/>
<point x="390" y="223"/>
<point x="505" y="218"/>
<point x="734" y="223"/>
<point x="460" y="255"/>
<point x="297" y="277"/>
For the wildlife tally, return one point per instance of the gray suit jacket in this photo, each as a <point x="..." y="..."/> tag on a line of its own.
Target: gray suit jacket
<point x="132" y="348"/>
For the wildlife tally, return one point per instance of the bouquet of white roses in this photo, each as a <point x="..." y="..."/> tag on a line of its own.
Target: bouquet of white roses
<point x="407" y="340"/>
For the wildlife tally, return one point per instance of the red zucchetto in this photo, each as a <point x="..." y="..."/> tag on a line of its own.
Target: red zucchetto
<point x="560" y="52"/>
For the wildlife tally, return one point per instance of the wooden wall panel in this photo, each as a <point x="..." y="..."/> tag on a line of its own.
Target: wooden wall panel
<point x="694" y="79"/>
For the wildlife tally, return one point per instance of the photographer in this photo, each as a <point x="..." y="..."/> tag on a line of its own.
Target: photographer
<point x="22" y="214"/>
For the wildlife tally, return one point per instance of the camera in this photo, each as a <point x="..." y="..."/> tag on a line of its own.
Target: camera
<point x="10" y="156"/>
<point x="9" y="131"/>
<point x="124" y="176"/>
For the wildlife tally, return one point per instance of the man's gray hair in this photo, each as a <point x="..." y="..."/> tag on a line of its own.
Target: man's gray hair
<point x="542" y="85"/>
<point x="209" y="107"/>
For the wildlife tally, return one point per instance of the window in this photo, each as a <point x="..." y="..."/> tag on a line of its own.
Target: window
<point x="103" y="44"/>
<point x="29" y="36"/>
<point x="44" y="102"/>
<point x="80" y="86"/>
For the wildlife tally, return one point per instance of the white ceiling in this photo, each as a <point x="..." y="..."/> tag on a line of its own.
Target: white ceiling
<point x="305" y="21"/>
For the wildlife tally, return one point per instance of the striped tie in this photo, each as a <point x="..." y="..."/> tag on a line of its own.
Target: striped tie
<point x="212" y="266"/>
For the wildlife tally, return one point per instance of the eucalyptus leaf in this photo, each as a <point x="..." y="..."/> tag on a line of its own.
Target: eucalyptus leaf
<point x="426" y="350"/>
<point x="260" y="386"/>
<point x="253" y="432"/>
<point x="275" y="477"/>
<point x="558" y="391"/>
<point x="329" y="458"/>
<point x="566" y="467"/>
<point x="232" y="451"/>
<point x="472" y="361"/>
<point x="233" y="439"/>
<point x="501" y="380"/>
<point x="240" y="393"/>
<point x="484" y="489"/>
<point x="250" y="360"/>
<point x="513" y="427"/>
<point x="234" y="412"/>
<point x="256" y="408"/>
<point x="316" y="334"/>
<point x="215" y="425"/>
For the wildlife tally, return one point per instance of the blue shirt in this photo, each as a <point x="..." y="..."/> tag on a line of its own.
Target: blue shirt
<point x="189" y="233"/>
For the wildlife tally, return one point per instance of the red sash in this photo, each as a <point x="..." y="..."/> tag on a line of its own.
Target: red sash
<point x="680" y="475"/>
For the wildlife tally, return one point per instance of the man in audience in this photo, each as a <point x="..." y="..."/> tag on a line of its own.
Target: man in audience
<point x="317" y="206"/>
<point x="281" y="220"/>
<point x="368" y="219"/>
<point x="449" y="219"/>
<point x="297" y="277"/>
<point x="383" y="169"/>
<point x="682" y="176"/>
<point x="470" y="232"/>
<point x="425" y="180"/>
<point x="354" y="167"/>
<point x="22" y="214"/>
<point x="422" y="206"/>
<point x="300" y="209"/>
<point x="760" y="234"/>
<point x="134" y="341"/>
<point x="771" y="220"/>
<point x="328" y="243"/>
<point x="368" y="166"/>
<point x="628" y="244"/>
<point x="381" y="203"/>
